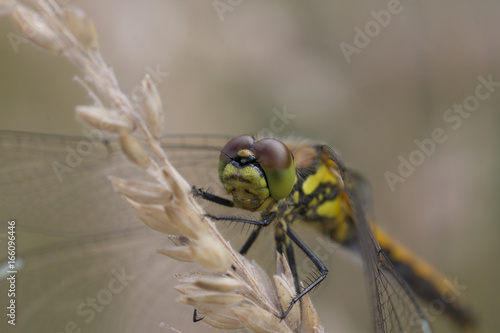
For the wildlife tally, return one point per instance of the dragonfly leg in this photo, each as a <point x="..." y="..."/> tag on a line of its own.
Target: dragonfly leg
<point x="293" y="266"/>
<point x="266" y="220"/>
<point x="212" y="197"/>
<point x="282" y="241"/>
<point x="195" y="316"/>
<point x="316" y="261"/>
<point x="249" y="242"/>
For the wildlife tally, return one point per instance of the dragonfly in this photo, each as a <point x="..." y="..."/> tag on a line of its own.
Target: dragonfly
<point x="62" y="179"/>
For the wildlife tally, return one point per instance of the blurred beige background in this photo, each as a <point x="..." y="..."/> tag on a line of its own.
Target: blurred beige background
<point x="227" y="76"/>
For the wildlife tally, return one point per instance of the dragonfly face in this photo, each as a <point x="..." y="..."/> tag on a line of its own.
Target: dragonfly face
<point x="255" y="173"/>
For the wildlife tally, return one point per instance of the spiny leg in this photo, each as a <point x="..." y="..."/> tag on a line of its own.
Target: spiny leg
<point x="316" y="261"/>
<point x="198" y="192"/>
<point x="266" y="220"/>
<point x="283" y="243"/>
<point x="293" y="266"/>
<point x="250" y="240"/>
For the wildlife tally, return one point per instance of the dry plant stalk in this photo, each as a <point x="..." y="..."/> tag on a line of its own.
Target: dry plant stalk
<point x="236" y="293"/>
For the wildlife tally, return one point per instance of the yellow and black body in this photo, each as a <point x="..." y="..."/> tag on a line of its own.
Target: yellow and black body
<point x="302" y="182"/>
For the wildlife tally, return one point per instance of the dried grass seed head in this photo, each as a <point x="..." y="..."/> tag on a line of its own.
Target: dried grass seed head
<point x="104" y="119"/>
<point x="134" y="150"/>
<point x="142" y="192"/>
<point x="82" y="27"/>
<point x="153" y="111"/>
<point x="36" y="29"/>
<point x="6" y="6"/>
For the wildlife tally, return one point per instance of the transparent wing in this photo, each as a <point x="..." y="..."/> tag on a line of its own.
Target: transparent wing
<point x="101" y="272"/>
<point x="394" y="306"/>
<point x="363" y="192"/>
<point x="99" y="284"/>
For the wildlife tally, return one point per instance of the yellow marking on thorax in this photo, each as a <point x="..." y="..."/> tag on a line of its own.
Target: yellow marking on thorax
<point x="331" y="211"/>
<point x="330" y="208"/>
<point x="322" y="175"/>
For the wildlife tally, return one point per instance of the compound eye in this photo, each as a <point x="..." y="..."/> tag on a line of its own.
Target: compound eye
<point x="231" y="150"/>
<point x="234" y="145"/>
<point x="277" y="162"/>
<point x="272" y="154"/>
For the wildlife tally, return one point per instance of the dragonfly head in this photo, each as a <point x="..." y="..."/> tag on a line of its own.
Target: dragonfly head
<point x="255" y="173"/>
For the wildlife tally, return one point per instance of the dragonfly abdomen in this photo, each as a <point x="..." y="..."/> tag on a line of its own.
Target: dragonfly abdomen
<point x="428" y="283"/>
